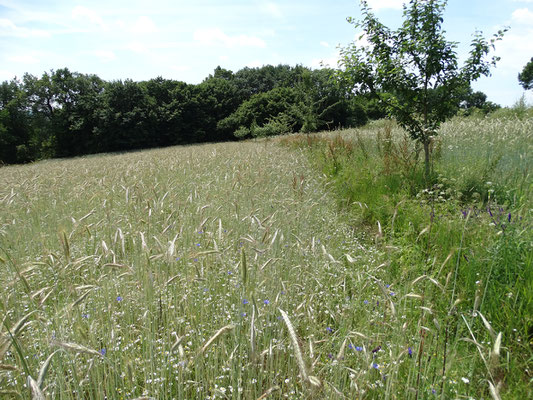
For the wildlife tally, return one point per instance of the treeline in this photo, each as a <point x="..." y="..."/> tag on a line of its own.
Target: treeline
<point x="65" y="114"/>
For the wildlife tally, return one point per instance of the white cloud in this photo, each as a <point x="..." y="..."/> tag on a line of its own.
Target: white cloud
<point x="8" y="28"/>
<point x="84" y="13"/>
<point x="383" y="4"/>
<point x="105" y="55"/>
<point x="144" y="24"/>
<point x="324" y="43"/>
<point x="272" y="9"/>
<point x="216" y="37"/>
<point x="523" y="16"/>
<point x="24" y="59"/>
<point x="137" y="47"/>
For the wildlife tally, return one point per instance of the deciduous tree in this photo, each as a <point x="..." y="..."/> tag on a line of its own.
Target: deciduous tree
<point x="414" y="71"/>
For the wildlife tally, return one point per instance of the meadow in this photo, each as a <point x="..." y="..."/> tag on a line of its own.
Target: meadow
<point x="307" y="266"/>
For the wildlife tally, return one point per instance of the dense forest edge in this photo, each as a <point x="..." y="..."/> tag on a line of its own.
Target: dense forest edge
<point x="66" y="114"/>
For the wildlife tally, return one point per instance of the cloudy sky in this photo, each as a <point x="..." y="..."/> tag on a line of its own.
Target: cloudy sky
<point x="186" y="40"/>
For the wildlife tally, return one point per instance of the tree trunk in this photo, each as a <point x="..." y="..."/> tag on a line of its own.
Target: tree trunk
<point x="426" y="159"/>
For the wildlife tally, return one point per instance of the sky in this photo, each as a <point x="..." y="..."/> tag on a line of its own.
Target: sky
<point x="187" y="40"/>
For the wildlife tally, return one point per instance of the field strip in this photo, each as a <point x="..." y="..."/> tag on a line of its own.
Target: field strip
<point x="156" y="251"/>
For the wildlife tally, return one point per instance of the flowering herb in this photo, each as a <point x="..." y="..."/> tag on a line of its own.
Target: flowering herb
<point x="244" y="301"/>
<point x="119" y="298"/>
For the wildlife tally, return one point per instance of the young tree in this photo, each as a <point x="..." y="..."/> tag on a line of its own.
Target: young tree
<point x="526" y="77"/>
<point x="414" y="71"/>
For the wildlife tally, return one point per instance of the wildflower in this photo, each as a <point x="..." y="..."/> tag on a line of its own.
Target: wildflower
<point x="465" y="380"/>
<point x="330" y="356"/>
<point x="198" y="244"/>
<point x="375" y="366"/>
<point x="376" y="349"/>
<point x="119" y="298"/>
<point x="244" y="301"/>
<point x="103" y="352"/>
<point x="243" y="314"/>
<point x="177" y="258"/>
<point x="350" y="346"/>
<point x="509" y="217"/>
<point x="392" y="294"/>
<point x="410" y="351"/>
<point x="329" y="329"/>
<point x="195" y="260"/>
<point x="86" y="316"/>
<point x="266" y="302"/>
<point x="358" y="348"/>
<point x="365" y="302"/>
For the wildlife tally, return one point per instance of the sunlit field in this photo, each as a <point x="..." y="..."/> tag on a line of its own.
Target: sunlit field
<point x="246" y="270"/>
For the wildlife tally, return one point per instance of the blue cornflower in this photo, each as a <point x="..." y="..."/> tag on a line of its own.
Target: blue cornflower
<point x="119" y="298"/>
<point x="266" y="302"/>
<point x="244" y="301"/>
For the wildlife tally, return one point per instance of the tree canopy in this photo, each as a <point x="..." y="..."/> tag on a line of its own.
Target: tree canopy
<point x="526" y="76"/>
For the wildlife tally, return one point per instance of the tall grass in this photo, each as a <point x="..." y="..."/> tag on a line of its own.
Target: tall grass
<point x="459" y="248"/>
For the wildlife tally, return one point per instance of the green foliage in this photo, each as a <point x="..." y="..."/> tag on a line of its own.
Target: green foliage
<point x="414" y="70"/>
<point x="64" y="113"/>
<point x="525" y="78"/>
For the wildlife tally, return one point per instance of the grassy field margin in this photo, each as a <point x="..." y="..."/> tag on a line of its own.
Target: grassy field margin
<point x="459" y="250"/>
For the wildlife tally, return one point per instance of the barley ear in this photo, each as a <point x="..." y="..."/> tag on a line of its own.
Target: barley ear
<point x="44" y="369"/>
<point x="312" y="380"/>
<point x="36" y="393"/>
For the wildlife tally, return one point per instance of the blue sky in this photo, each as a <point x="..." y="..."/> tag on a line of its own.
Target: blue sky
<point x="186" y="40"/>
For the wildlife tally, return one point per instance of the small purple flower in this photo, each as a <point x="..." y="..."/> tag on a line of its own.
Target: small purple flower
<point x="177" y="258"/>
<point x="350" y="346"/>
<point x="267" y="302"/>
<point x="243" y="314"/>
<point x="387" y="286"/>
<point x="329" y="329"/>
<point x="410" y="351"/>
<point x="103" y="352"/>
<point x="195" y="260"/>
<point x="365" y="302"/>
<point x="198" y="244"/>
<point x="433" y="391"/>
<point x="86" y="316"/>
<point x="392" y="294"/>
<point x="119" y="298"/>
<point x="244" y="301"/>
<point x="330" y="356"/>
<point x="230" y="273"/>
<point x="376" y="349"/>
<point x="509" y="217"/>
<point x="200" y="232"/>
<point x="358" y="348"/>
<point x="375" y="366"/>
